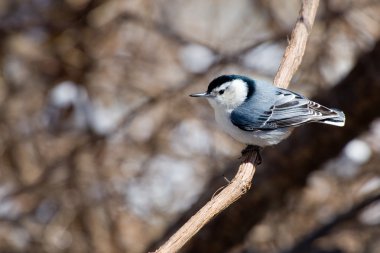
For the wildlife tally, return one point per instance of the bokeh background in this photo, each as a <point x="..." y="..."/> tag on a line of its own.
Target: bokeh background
<point x="102" y="150"/>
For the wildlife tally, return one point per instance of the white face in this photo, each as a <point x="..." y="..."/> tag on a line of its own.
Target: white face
<point x="229" y="95"/>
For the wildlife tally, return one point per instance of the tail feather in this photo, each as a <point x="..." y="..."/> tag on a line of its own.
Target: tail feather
<point x="338" y="120"/>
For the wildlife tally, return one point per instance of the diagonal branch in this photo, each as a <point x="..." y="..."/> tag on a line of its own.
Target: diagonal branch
<point x="239" y="185"/>
<point x="296" y="48"/>
<point x="243" y="179"/>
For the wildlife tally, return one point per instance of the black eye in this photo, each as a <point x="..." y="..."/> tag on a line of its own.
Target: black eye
<point x="221" y="92"/>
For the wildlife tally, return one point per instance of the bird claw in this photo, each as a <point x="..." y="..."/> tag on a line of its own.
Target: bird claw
<point x="247" y="154"/>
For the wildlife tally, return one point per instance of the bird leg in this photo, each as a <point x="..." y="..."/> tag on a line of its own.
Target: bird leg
<point x="248" y="151"/>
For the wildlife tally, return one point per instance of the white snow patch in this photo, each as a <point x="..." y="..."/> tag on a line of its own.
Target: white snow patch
<point x="371" y="215"/>
<point x="266" y="58"/>
<point x="189" y="138"/>
<point x="106" y="118"/>
<point x="9" y="208"/>
<point x="169" y="185"/>
<point x="64" y="94"/>
<point x="341" y="58"/>
<point x="196" y="58"/>
<point x="358" y="151"/>
<point x="369" y="186"/>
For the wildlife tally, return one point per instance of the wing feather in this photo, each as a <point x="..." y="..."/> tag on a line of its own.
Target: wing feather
<point x="288" y="109"/>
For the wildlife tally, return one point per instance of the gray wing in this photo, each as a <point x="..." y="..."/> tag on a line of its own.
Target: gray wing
<point x="287" y="109"/>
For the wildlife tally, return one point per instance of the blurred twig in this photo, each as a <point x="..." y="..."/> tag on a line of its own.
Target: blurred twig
<point x="305" y="244"/>
<point x="242" y="181"/>
<point x="49" y="170"/>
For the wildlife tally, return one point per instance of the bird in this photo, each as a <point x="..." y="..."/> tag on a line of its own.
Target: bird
<point x="259" y="114"/>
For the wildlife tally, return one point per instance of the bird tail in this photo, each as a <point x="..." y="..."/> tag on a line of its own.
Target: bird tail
<point x="338" y="120"/>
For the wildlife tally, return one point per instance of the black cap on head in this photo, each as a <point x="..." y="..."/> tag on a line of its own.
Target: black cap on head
<point x="228" y="78"/>
<point x="219" y="81"/>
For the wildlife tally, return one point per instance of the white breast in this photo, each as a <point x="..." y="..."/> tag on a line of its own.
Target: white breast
<point x="258" y="138"/>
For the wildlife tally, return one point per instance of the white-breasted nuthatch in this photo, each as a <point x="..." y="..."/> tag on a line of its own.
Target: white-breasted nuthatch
<point x="259" y="114"/>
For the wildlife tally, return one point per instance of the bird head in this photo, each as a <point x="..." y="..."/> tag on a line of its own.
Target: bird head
<point x="227" y="91"/>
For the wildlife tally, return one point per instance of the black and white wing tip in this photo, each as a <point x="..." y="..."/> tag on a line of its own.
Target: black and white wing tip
<point x="338" y="120"/>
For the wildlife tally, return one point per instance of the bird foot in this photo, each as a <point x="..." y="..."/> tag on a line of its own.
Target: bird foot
<point x="247" y="154"/>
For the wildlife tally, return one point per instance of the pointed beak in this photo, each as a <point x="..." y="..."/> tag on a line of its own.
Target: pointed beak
<point x="202" y="95"/>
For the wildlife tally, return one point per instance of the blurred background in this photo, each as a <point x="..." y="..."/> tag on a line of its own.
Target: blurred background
<point x="102" y="150"/>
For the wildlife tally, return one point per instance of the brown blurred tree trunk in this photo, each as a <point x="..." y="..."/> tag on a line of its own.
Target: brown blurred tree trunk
<point x="287" y="166"/>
